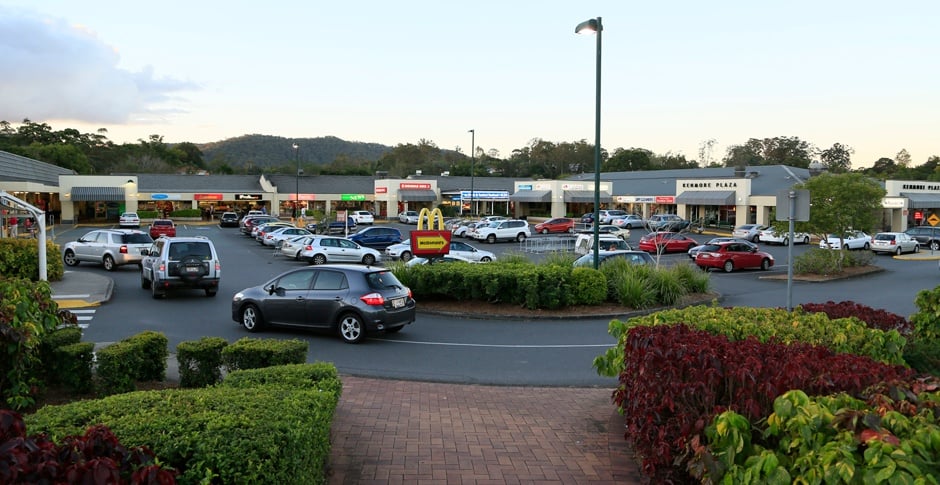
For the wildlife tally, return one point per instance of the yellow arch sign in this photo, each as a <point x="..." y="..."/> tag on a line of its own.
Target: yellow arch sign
<point x="431" y="242"/>
<point x="431" y="215"/>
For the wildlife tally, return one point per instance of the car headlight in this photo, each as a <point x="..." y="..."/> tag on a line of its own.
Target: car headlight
<point x="238" y="297"/>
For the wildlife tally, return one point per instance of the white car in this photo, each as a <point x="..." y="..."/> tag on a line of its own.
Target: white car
<point x="446" y="259"/>
<point x="331" y="249"/>
<point x="894" y="242"/>
<point x="608" y="216"/>
<point x="748" y="232"/>
<point x="292" y="247"/>
<point x="507" y="230"/>
<point x="849" y="240"/>
<point x="362" y="217"/>
<point x="277" y="236"/>
<point x="402" y="251"/>
<point x="770" y="236"/>
<point x="129" y="219"/>
<point x="408" y="217"/>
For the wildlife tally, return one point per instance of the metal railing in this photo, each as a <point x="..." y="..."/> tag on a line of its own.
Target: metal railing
<point x="549" y="244"/>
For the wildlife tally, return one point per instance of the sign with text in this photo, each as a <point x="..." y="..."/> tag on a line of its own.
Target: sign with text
<point x="414" y="186"/>
<point x="207" y="196"/>
<point x="352" y="197"/>
<point x="431" y="242"/>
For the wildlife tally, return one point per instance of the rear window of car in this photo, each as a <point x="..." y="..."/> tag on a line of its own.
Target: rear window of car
<point x="181" y="250"/>
<point x="383" y="279"/>
<point x="163" y="223"/>
<point x="136" y="238"/>
<point x="884" y="237"/>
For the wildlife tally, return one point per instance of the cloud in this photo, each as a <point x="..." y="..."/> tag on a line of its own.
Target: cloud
<point x="56" y="71"/>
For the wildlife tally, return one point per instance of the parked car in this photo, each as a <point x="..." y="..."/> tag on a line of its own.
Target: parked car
<point x="506" y="230"/>
<point x="634" y="257"/>
<point x="108" y="247"/>
<point x="621" y="232"/>
<point x="717" y="240"/>
<point x="181" y="262"/>
<point x="894" y="242"/>
<point x="447" y="258"/>
<point x="292" y="247"/>
<point x="631" y="221"/>
<point x="460" y="229"/>
<point x="129" y="219"/>
<point x="587" y="218"/>
<point x="730" y="256"/>
<point x="363" y="217"/>
<point x="247" y="223"/>
<point x="666" y="222"/>
<point x="162" y="227"/>
<point x="584" y="243"/>
<point x="332" y="249"/>
<point x="666" y="242"/>
<point x="377" y="237"/>
<point x="408" y="217"/>
<point x="402" y="251"/>
<point x="926" y="236"/>
<point x="278" y="235"/>
<point x="557" y="224"/>
<point x="849" y="240"/>
<point x="750" y="232"/>
<point x="770" y="236"/>
<point x="351" y="300"/>
<point x="228" y="219"/>
<point x="259" y="231"/>
<point x="340" y="227"/>
<point x="608" y="216"/>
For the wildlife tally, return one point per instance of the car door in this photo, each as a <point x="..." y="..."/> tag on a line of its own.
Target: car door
<point x="742" y="256"/>
<point x="92" y="246"/>
<point x="352" y="252"/>
<point x="463" y="249"/>
<point x="287" y="303"/>
<point x="327" y="298"/>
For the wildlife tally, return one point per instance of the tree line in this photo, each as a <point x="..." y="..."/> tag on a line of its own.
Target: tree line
<point x="93" y="153"/>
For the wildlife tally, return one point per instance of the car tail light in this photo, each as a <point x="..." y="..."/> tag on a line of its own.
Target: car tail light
<point x="162" y="267"/>
<point x="123" y="250"/>
<point x="308" y="248"/>
<point x="374" y="299"/>
<point x="218" y="266"/>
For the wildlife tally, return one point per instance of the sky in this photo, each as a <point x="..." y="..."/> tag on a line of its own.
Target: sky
<point x="674" y="75"/>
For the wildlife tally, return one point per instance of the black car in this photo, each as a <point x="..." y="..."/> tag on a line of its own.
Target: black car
<point x="228" y="219"/>
<point x="926" y="236"/>
<point x="351" y="300"/>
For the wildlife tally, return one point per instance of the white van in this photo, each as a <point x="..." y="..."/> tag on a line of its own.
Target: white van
<point x="609" y="242"/>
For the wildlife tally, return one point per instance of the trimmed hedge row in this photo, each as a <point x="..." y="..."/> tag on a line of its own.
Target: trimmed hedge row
<point x="268" y="425"/>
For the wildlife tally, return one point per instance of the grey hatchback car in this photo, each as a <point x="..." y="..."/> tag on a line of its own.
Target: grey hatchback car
<point x="351" y="300"/>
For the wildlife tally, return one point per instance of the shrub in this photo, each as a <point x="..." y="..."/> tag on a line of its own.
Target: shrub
<point x="879" y="319"/>
<point x="200" y="361"/>
<point x="253" y="353"/>
<point x="829" y="261"/>
<point x="588" y="287"/>
<point x="19" y="258"/>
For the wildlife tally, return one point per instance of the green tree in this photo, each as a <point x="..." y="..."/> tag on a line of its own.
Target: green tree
<point x="837" y="158"/>
<point x="903" y="158"/>
<point x="630" y="159"/>
<point x="781" y="150"/>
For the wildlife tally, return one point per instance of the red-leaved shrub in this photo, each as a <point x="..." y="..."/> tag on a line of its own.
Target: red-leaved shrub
<point x="878" y="319"/>
<point x="676" y="379"/>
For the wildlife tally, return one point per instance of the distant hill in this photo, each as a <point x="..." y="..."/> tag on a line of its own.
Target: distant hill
<point x="268" y="151"/>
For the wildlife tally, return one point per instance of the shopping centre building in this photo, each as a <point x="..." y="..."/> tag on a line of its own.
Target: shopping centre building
<point x="717" y="196"/>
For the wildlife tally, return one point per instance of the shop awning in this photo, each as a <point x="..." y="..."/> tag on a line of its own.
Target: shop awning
<point x="417" y="195"/>
<point x="586" y="196"/>
<point x="706" y="197"/>
<point x="93" y="194"/>
<point x="922" y="201"/>
<point x="532" y="196"/>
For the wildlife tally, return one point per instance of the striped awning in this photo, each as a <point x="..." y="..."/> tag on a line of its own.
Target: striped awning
<point x="706" y="197"/>
<point x="417" y="195"/>
<point x="922" y="200"/>
<point x="532" y="196"/>
<point x="94" y="194"/>
<point x="585" y="196"/>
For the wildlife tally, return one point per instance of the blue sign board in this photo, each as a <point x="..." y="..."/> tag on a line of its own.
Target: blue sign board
<point x="485" y="195"/>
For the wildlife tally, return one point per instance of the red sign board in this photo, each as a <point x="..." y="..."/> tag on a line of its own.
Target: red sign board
<point x="430" y="243"/>
<point x="207" y="196"/>
<point x="414" y="186"/>
<point x="381" y="190"/>
<point x="665" y="199"/>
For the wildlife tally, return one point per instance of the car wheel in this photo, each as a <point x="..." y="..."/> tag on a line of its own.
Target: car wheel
<point x="934" y="245"/>
<point x="570" y="230"/>
<point x="786" y="241"/>
<point x="351" y="328"/>
<point x="69" y="258"/>
<point x="210" y="292"/>
<point x="368" y="260"/>
<point x="144" y="282"/>
<point x="805" y="239"/>
<point x="251" y="318"/>
<point x="544" y="231"/>
<point x="898" y="251"/>
<point x="405" y="256"/>
<point x="756" y="238"/>
<point x="845" y="247"/>
<point x="297" y="255"/>
<point x="485" y="259"/>
<point x="867" y="246"/>
<point x="318" y="259"/>
<point x="765" y="264"/>
<point x="108" y="262"/>
<point x="154" y="292"/>
<point x="520" y="237"/>
<point x="917" y="248"/>
<point x="729" y="266"/>
<point x="491" y="238"/>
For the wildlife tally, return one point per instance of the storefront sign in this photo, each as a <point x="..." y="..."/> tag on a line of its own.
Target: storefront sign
<point x="207" y="196"/>
<point x="927" y="187"/>
<point x="414" y="186"/>
<point x="165" y="196"/>
<point x="709" y="185"/>
<point x="665" y="199"/>
<point x="485" y="195"/>
<point x="352" y="197"/>
<point x="892" y="203"/>
<point x="572" y="187"/>
<point x="524" y="187"/>
<point x="381" y="190"/>
<point x="247" y="196"/>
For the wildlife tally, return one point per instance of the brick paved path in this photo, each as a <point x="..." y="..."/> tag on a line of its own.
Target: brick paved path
<point x="388" y="431"/>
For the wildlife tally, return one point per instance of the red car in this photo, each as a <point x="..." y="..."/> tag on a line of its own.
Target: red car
<point x="670" y="242"/>
<point x="730" y="256"/>
<point x="558" y="224"/>
<point x="162" y="227"/>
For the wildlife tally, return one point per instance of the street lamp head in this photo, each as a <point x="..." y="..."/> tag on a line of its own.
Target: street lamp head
<point x="296" y="146"/>
<point x="589" y="26"/>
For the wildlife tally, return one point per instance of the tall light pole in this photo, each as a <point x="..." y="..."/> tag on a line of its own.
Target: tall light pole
<point x="595" y="26"/>
<point x="473" y="135"/>
<point x="297" y="180"/>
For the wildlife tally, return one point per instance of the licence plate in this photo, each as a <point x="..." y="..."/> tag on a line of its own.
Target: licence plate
<point x="398" y="302"/>
<point x="192" y="269"/>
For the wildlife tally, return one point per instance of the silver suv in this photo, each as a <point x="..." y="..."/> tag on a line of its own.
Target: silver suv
<point x="108" y="247"/>
<point x="181" y="262"/>
<point x="509" y="230"/>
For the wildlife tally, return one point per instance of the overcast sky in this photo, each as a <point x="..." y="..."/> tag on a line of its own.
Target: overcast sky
<point x="674" y="74"/>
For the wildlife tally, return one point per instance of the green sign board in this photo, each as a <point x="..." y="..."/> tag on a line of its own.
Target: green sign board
<point x="353" y="197"/>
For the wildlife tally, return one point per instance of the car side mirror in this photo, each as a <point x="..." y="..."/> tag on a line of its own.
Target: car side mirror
<point x="270" y="289"/>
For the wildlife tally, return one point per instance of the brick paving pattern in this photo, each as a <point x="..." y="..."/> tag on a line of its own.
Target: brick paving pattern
<point x="388" y="431"/>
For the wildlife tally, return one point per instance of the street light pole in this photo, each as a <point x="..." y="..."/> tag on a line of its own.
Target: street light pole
<point x="296" y="180"/>
<point x="473" y="135"/>
<point x="595" y="26"/>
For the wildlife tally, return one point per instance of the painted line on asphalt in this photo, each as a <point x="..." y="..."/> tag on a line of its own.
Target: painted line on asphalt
<point x="450" y="344"/>
<point x="72" y="304"/>
<point x="67" y="297"/>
